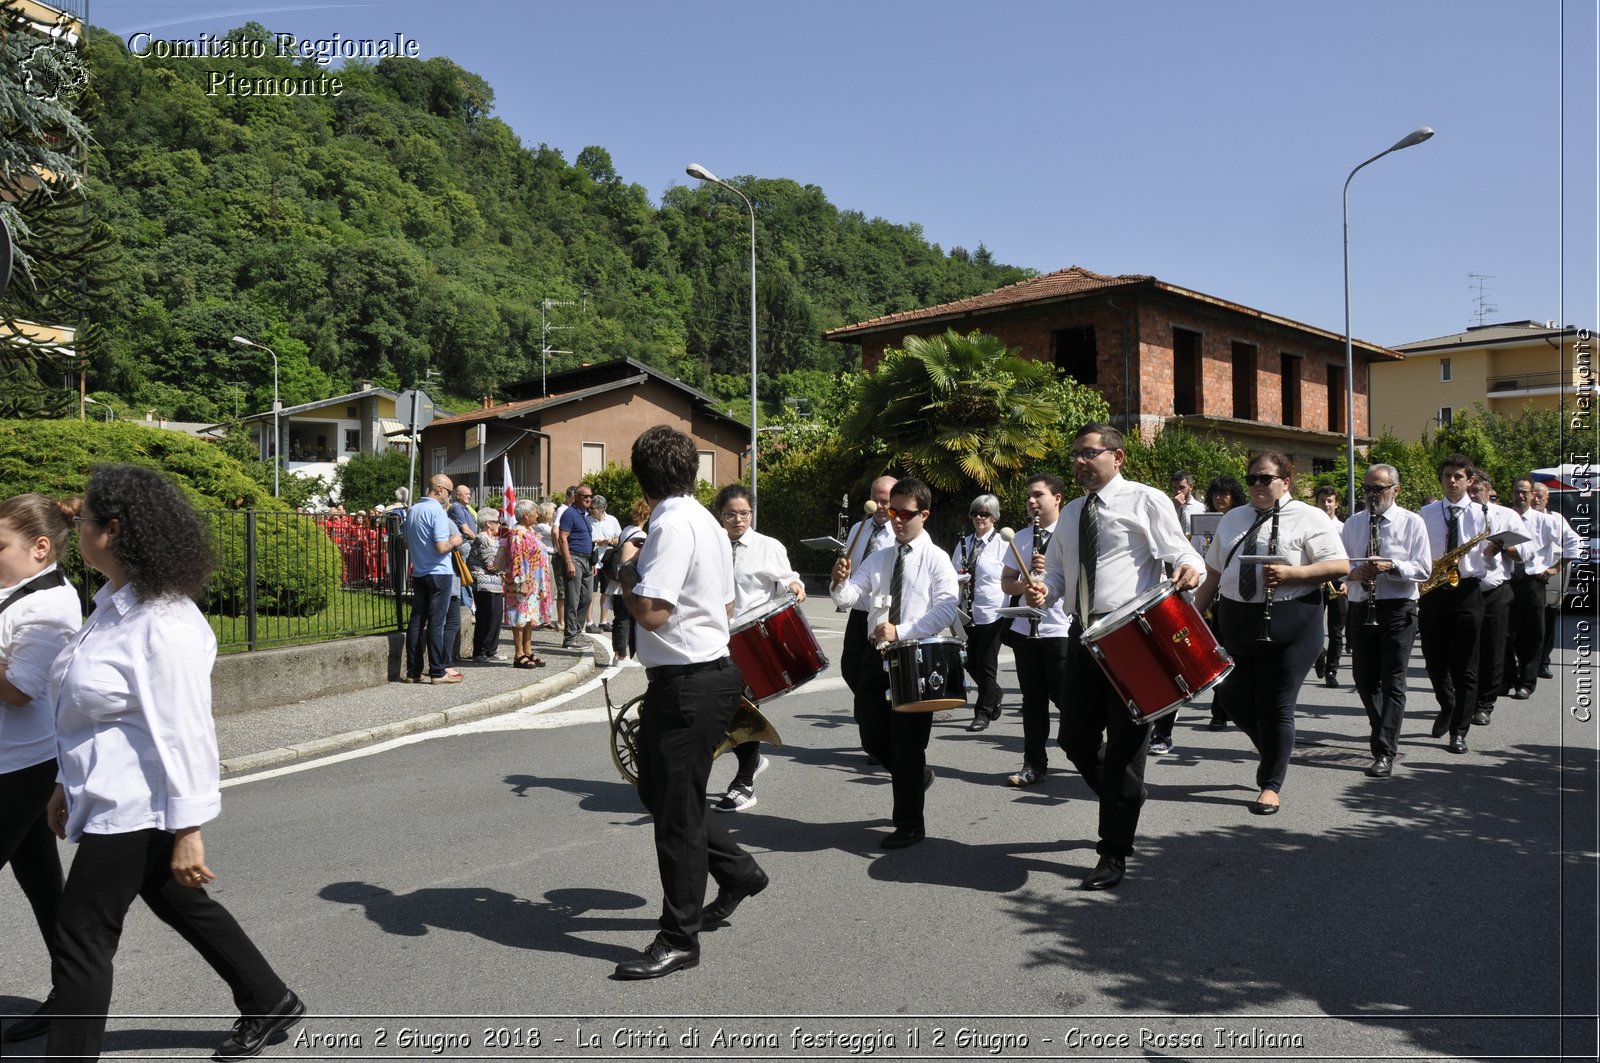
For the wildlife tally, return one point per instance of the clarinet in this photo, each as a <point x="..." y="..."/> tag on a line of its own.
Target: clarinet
<point x="1038" y="550"/>
<point x="970" y="589"/>
<point x="1372" y="584"/>
<point x="1272" y="548"/>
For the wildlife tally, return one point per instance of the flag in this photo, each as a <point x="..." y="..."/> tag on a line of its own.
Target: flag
<point x="508" y="507"/>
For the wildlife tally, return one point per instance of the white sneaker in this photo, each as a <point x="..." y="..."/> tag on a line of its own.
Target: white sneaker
<point x="761" y="765"/>
<point x="737" y="799"/>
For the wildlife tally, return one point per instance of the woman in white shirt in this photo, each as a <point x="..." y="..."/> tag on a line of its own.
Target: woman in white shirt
<point x="38" y="614"/>
<point x="138" y="772"/>
<point x="1261" y="692"/>
<point x="979" y="558"/>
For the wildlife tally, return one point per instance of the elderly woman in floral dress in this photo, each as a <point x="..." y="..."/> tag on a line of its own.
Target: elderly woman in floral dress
<point x="527" y="584"/>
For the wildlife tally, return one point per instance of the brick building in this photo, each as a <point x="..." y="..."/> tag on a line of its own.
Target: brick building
<point x="1164" y="355"/>
<point x="586" y="417"/>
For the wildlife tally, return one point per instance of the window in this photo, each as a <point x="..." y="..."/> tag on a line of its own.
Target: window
<point x="1444" y="370"/>
<point x="1336" y="398"/>
<point x="1325" y="465"/>
<point x="1244" y="381"/>
<point x="1446" y="413"/>
<point x="1185" y="371"/>
<point x="1076" y="354"/>
<point x="441" y="458"/>
<point x="594" y="458"/>
<point x="708" y="467"/>
<point x="1289" y="403"/>
<point x="352" y="440"/>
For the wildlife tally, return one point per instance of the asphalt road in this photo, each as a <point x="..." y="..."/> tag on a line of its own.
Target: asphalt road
<point x="480" y="882"/>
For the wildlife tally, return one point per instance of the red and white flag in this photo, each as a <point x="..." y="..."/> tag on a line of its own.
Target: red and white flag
<point x="508" y="507"/>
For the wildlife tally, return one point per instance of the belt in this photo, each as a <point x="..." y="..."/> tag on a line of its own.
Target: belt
<point x="673" y="671"/>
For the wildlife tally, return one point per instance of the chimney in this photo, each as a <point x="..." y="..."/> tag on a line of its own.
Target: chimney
<point x="366" y="385"/>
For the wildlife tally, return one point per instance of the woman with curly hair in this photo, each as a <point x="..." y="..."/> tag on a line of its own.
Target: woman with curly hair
<point x="527" y="584"/>
<point x="38" y="614"/>
<point x="138" y="770"/>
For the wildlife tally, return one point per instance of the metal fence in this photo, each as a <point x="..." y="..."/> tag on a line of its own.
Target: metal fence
<point x="286" y="578"/>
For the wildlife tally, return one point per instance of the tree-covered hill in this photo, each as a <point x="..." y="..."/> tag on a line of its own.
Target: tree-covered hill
<point x="399" y="227"/>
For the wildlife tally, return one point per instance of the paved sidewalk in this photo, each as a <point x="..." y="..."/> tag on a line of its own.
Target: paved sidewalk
<point x="272" y="737"/>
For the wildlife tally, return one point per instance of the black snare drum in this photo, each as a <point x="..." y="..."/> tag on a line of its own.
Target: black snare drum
<point x="925" y="675"/>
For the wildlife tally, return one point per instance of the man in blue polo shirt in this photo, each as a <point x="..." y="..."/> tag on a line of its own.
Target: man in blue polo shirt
<point x="430" y="537"/>
<point x="576" y="545"/>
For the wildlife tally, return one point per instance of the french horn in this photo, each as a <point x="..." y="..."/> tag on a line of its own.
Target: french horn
<point x="747" y="724"/>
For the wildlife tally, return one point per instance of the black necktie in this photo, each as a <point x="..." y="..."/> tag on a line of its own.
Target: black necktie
<point x="736" y="545"/>
<point x="872" y="543"/>
<point x="897" y="581"/>
<point x="1247" y="569"/>
<point x="1453" y="532"/>
<point x="1088" y="555"/>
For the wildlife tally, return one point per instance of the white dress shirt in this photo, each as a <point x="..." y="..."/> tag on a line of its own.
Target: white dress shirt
<point x="761" y="572"/>
<point x="1139" y="531"/>
<point x="1403" y="539"/>
<point x="134" y="735"/>
<point x="32" y="632"/>
<point x="986" y="567"/>
<point x="685" y="562"/>
<point x="1472" y="522"/>
<point x="1497" y="569"/>
<point x="1543" y="548"/>
<point x="1054" y="624"/>
<point x="928" y="590"/>
<point x="1305" y="537"/>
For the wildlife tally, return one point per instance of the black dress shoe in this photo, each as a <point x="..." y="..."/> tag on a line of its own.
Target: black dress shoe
<point x="1441" y="724"/>
<point x="1320" y="665"/>
<point x="1480" y="719"/>
<point x="1218" y="723"/>
<point x="730" y="897"/>
<point x="1107" y="873"/>
<point x="252" y="1033"/>
<point x="1458" y="744"/>
<point x="994" y="714"/>
<point x="1261" y="808"/>
<point x="1331" y="680"/>
<point x="1544" y="672"/>
<point x="1521" y="693"/>
<point x="657" y="960"/>
<point x="1381" y="767"/>
<point x="979" y="722"/>
<point x="35" y="1025"/>
<point x="927" y="778"/>
<point x="902" y="838"/>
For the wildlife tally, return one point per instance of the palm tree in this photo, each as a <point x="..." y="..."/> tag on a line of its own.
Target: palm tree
<point x="956" y="411"/>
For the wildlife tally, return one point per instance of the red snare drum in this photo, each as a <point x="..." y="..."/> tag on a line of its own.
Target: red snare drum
<point x="774" y="649"/>
<point x="1157" y="652"/>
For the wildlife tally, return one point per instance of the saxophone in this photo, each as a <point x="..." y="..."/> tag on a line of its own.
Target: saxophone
<point x="1447" y="566"/>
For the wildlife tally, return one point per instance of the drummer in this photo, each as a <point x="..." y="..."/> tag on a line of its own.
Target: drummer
<point x="761" y="575"/>
<point x="910" y="593"/>
<point x="1116" y="539"/>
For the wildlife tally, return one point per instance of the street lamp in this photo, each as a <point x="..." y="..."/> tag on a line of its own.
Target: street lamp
<point x="1413" y="138"/>
<point x="110" y="414"/>
<point x="277" y="440"/>
<point x="700" y="173"/>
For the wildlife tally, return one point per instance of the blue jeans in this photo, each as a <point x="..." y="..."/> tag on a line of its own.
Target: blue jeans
<point x="430" y="603"/>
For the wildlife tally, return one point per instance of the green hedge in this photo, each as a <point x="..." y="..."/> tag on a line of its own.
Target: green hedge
<point x="297" y="566"/>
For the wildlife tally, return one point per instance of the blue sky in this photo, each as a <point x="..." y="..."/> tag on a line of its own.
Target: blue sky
<point x="1204" y="143"/>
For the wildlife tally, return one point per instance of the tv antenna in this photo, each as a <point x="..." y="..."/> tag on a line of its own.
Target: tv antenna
<point x="1483" y="307"/>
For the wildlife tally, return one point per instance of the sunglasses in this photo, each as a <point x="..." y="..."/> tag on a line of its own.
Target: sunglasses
<point x="905" y="514"/>
<point x="1375" y="489"/>
<point x="1261" y="479"/>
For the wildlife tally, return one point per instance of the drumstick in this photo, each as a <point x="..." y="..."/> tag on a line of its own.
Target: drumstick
<point x="868" y="508"/>
<point x="1022" y="566"/>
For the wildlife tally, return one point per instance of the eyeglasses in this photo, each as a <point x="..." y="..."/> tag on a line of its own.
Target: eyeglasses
<point x="1089" y="453"/>
<point x="733" y="516"/>
<point x="1375" y="489"/>
<point x="582" y="497"/>
<point x="1261" y="479"/>
<point x="905" y="514"/>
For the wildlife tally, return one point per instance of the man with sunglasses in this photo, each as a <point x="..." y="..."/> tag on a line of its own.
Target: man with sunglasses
<point x="576" y="543"/>
<point x="1395" y="559"/>
<point x="919" y="604"/>
<point x="1112" y="545"/>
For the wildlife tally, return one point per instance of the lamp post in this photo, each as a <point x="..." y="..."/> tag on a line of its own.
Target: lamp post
<point x="700" y="173"/>
<point x="277" y="439"/>
<point x="110" y="414"/>
<point x="1413" y="138"/>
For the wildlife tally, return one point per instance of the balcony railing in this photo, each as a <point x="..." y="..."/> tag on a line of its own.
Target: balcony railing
<point x="1528" y="381"/>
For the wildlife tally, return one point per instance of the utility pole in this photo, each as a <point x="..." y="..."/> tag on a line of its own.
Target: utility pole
<point x="545" y="328"/>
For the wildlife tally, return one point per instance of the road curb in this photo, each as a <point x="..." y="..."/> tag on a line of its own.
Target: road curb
<point x="499" y="704"/>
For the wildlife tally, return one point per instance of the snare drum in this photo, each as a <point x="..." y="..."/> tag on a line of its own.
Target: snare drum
<point x="1157" y="652"/>
<point x="925" y="675"/>
<point x="774" y="649"/>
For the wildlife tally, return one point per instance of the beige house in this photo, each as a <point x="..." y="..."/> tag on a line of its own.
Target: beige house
<point x="1500" y="367"/>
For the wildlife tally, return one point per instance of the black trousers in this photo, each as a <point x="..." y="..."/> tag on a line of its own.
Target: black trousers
<point x="108" y="872"/>
<point x="1527" y="632"/>
<point x="1042" y="675"/>
<point x="896" y="740"/>
<point x="1379" y="656"/>
<point x="621" y="628"/>
<point x="488" y="613"/>
<point x="1261" y="692"/>
<point x="1492" y="636"/>
<point x="983" y="665"/>
<point x="27" y="844"/>
<point x="1338" y="611"/>
<point x="1107" y="747"/>
<point x="1552" y="620"/>
<point x="1449" y="620"/>
<point x="855" y="646"/>
<point x="681" y="724"/>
